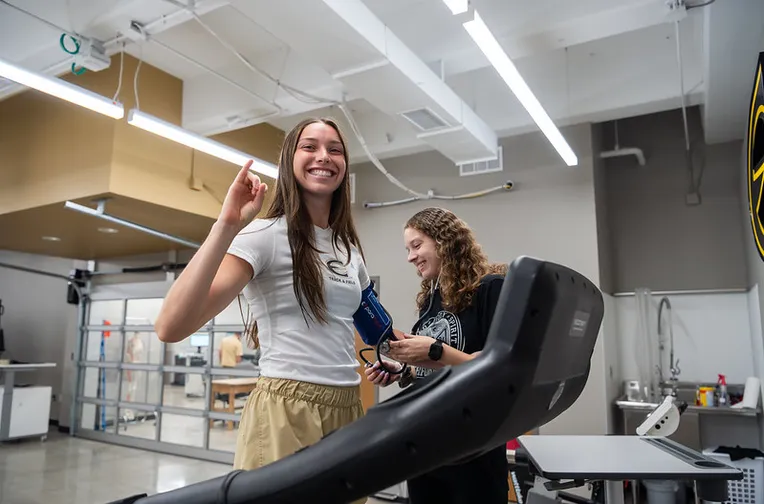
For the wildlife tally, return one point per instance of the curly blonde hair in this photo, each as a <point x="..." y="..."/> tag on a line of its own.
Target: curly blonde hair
<point x="463" y="262"/>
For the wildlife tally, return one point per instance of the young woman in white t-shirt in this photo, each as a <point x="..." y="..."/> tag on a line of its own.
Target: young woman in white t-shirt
<point x="301" y="270"/>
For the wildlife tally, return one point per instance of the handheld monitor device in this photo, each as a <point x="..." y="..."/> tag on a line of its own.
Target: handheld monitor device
<point x="533" y="367"/>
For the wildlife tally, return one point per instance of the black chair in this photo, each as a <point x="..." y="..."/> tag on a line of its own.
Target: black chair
<point x="534" y="366"/>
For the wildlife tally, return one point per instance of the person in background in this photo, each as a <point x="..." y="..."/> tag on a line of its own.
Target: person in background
<point x="456" y="301"/>
<point x="302" y="272"/>
<point x="231" y="350"/>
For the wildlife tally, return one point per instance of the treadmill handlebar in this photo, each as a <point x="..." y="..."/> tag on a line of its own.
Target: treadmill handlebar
<point x="533" y="367"/>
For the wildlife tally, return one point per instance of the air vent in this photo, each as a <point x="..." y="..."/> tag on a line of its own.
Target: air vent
<point x="482" y="165"/>
<point x="424" y="119"/>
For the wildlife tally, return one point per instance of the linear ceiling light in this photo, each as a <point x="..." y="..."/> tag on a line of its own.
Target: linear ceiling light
<point x="62" y="89"/>
<point x="457" y="6"/>
<point x="176" y="134"/>
<point x="124" y="222"/>
<point x="488" y="44"/>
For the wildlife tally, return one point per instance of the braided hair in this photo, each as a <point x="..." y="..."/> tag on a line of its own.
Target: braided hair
<point x="463" y="262"/>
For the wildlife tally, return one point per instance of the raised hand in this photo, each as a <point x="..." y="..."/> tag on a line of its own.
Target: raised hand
<point x="244" y="199"/>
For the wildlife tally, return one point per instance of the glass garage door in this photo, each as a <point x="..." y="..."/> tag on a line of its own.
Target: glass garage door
<point x="137" y="391"/>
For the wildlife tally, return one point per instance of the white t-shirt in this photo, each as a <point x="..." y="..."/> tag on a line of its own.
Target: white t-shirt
<point x="290" y="348"/>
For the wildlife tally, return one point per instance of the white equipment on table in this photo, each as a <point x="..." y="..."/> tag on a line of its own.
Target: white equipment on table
<point x="664" y="420"/>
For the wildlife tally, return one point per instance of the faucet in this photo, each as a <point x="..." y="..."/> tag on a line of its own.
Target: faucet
<point x="673" y="366"/>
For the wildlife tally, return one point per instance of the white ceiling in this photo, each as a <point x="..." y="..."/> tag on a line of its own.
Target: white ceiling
<point x="588" y="60"/>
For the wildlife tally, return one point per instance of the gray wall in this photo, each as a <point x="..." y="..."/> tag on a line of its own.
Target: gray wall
<point x="39" y="325"/>
<point x="550" y="214"/>
<point x="657" y="240"/>
<point x="601" y="190"/>
<point x="613" y="365"/>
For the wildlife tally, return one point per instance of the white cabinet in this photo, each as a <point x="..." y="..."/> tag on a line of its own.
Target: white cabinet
<point x="30" y="411"/>
<point x="24" y="411"/>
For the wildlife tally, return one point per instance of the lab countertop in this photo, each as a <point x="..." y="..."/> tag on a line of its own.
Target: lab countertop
<point x="625" y="404"/>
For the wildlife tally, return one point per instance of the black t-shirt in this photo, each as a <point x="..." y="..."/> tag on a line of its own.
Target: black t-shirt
<point x="483" y="479"/>
<point x="467" y="330"/>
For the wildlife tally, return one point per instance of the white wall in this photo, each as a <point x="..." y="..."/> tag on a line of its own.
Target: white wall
<point x="39" y="325"/>
<point x="550" y="214"/>
<point x="757" y="343"/>
<point x="712" y="335"/>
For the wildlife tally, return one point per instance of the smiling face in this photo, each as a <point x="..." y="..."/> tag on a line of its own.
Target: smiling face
<point x="319" y="162"/>
<point x="422" y="253"/>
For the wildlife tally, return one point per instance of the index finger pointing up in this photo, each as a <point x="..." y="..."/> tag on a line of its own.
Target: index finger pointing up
<point x="242" y="176"/>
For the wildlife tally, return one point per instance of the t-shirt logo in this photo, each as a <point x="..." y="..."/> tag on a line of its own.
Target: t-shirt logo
<point x="336" y="267"/>
<point x="339" y="272"/>
<point x="444" y="326"/>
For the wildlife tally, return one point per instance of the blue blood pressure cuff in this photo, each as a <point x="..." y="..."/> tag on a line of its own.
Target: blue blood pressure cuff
<point x="371" y="320"/>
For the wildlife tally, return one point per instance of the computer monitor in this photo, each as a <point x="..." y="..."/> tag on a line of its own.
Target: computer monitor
<point x="200" y="340"/>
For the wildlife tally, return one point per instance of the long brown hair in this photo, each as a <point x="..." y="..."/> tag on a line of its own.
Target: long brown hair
<point x="463" y="262"/>
<point x="306" y="267"/>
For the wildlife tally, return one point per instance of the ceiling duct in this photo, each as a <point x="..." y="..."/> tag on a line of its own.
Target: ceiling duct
<point x="424" y="119"/>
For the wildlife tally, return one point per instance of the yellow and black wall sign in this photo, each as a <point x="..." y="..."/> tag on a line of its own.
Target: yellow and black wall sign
<point x="755" y="157"/>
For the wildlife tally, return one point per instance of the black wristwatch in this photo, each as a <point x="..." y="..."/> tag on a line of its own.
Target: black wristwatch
<point x="436" y="350"/>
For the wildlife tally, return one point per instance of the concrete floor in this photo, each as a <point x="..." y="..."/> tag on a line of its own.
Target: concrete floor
<point x="66" y="470"/>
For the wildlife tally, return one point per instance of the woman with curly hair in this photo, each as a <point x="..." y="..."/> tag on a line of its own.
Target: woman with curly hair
<point x="456" y="302"/>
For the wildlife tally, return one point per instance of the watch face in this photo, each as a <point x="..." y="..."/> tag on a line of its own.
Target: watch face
<point x="755" y="157"/>
<point x="436" y="350"/>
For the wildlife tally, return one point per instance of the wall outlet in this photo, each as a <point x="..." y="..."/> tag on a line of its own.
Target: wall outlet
<point x="692" y="198"/>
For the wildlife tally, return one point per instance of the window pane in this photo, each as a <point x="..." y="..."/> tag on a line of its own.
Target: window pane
<point x="100" y="383"/>
<point x="140" y="386"/>
<point x="103" y="346"/>
<point x="99" y="418"/>
<point x="234" y="314"/>
<point x="140" y="424"/>
<point x="185" y="390"/>
<point x="234" y="350"/>
<point x="229" y="395"/>
<point x="143" y="311"/>
<point x="183" y="430"/>
<point x="106" y="312"/>
<point x="142" y="348"/>
<point x="184" y="353"/>
<point x="222" y="438"/>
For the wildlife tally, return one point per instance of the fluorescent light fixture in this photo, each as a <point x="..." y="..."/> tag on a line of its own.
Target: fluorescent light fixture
<point x="124" y="222"/>
<point x="62" y="89"/>
<point x="487" y="43"/>
<point x="457" y="6"/>
<point x="203" y="144"/>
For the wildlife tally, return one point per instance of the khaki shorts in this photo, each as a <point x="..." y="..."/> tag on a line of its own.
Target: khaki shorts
<point x="281" y="416"/>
